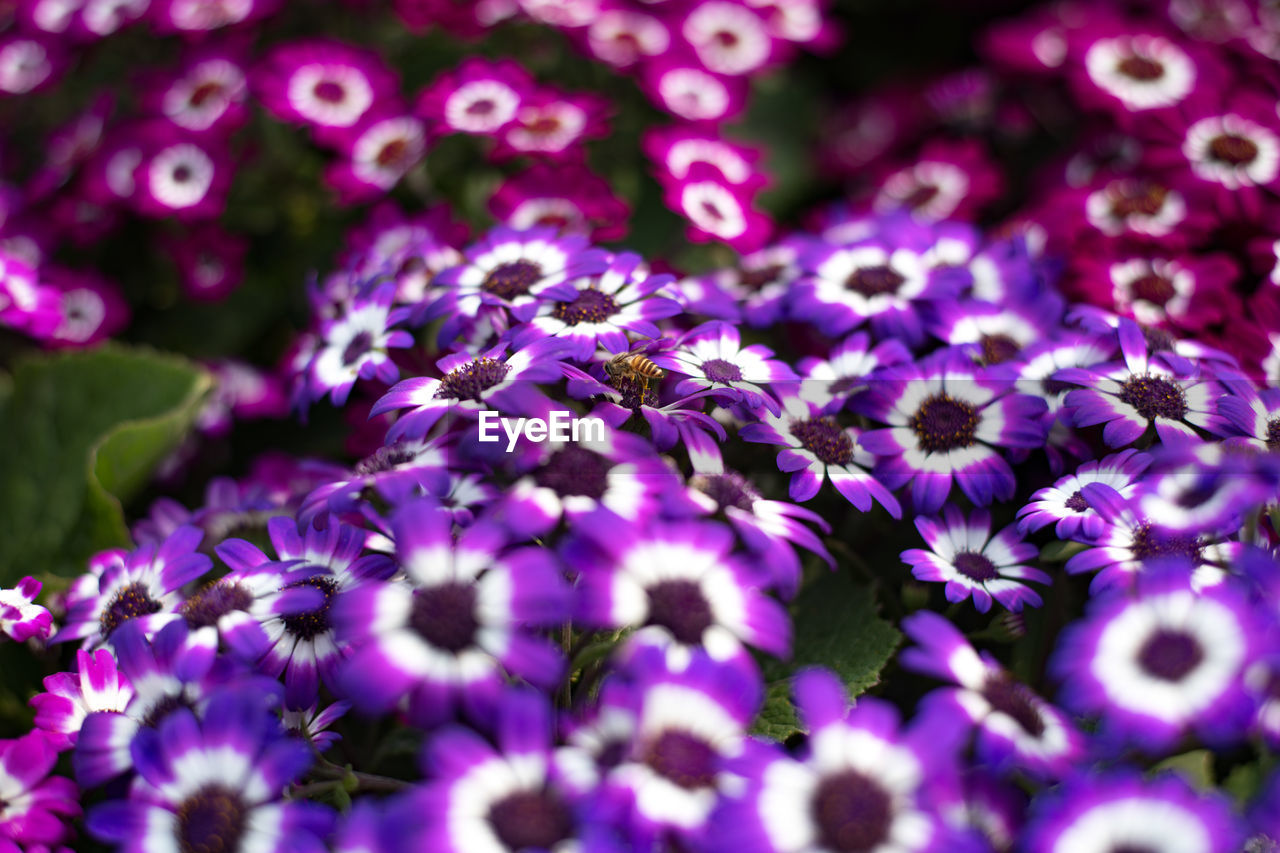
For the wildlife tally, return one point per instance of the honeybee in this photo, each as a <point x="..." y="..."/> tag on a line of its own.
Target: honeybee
<point x="633" y="367"/>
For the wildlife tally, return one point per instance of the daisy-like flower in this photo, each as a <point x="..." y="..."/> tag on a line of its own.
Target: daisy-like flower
<point x="181" y="175"/>
<point x="314" y="567"/>
<point x="1206" y="489"/>
<point x="394" y="472"/>
<point x="1135" y="71"/>
<point x="20" y="617"/>
<point x="553" y="124"/>
<point x="712" y="356"/>
<point x="216" y="784"/>
<point x="195" y="17"/>
<point x="993" y="334"/>
<point x="1100" y="812"/>
<point x="1251" y="417"/>
<point x="478" y="97"/>
<point x="858" y="784"/>
<point x="946" y="418"/>
<point x="25" y="304"/>
<point x="816" y="447"/>
<point x="139" y="586"/>
<point x="831" y="382"/>
<point x="676" y="150"/>
<point x="1015" y="726"/>
<point x="1187" y="292"/>
<point x="515" y="271"/>
<point x="624" y="36"/>
<point x="973" y="563"/>
<point x="716" y="210"/>
<point x="92" y="308"/>
<point x="326" y="85"/>
<point x="465" y="616"/>
<point x="36" y="805"/>
<point x="523" y="795"/>
<point x="566" y="196"/>
<point x="27" y="64"/>
<point x="1160" y="664"/>
<point x="354" y="346"/>
<point x="728" y="38"/>
<point x="210" y="93"/>
<point x="949" y="180"/>
<point x="680" y="85"/>
<point x="210" y="261"/>
<point x="1064" y="506"/>
<point x="69" y="697"/>
<point x="379" y="151"/>
<point x="676" y="733"/>
<point x="1141" y="393"/>
<point x="495" y="379"/>
<point x="679" y="586"/>
<point x="620" y="300"/>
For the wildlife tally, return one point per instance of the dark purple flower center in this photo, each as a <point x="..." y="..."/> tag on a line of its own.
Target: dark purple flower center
<point x="727" y="489"/>
<point x="1158" y="339"/>
<point x="510" y="280"/>
<point x="1150" y="543"/>
<point x="384" y="459"/>
<point x="445" y="616"/>
<point x="203" y="92"/>
<point x="590" y="306"/>
<point x="1152" y="288"/>
<point x="357" y="349"/>
<point x="471" y="380"/>
<point x="212" y="820"/>
<point x="181" y="173"/>
<point x="213" y="602"/>
<point x="758" y="278"/>
<point x="312" y="623"/>
<point x="575" y="470"/>
<point x="682" y="608"/>
<point x="853" y="812"/>
<point x="162" y="709"/>
<point x="1154" y="397"/>
<point x="944" y="423"/>
<point x="129" y="603"/>
<point x="975" y="566"/>
<point x="997" y="349"/>
<point x="1136" y="197"/>
<point x="1273" y="434"/>
<point x="530" y="820"/>
<point x="921" y="195"/>
<point x="329" y="91"/>
<point x="719" y="370"/>
<point x="1077" y="503"/>
<point x="393" y="153"/>
<point x="1170" y="655"/>
<point x="1015" y="700"/>
<point x="1140" y="68"/>
<point x="683" y="758"/>
<point x="870" y="281"/>
<point x="824" y="438"/>
<point x="481" y="107"/>
<point x="1233" y="149"/>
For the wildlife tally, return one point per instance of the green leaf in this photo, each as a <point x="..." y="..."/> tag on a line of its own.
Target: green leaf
<point x="1195" y="766"/>
<point x="83" y="432"/>
<point x="837" y="626"/>
<point x="1059" y="551"/>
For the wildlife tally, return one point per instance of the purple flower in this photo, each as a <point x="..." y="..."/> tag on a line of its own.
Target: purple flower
<point x="623" y="36"/>
<point x="1112" y="810"/>
<point x="972" y="562"/>
<point x="25" y="303"/>
<point x="140" y="586"/>
<point x="816" y="447"/>
<point x="478" y="97"/>
<point x="1132" y="71"/>
<point x="713" y="357"/>
<point x="465" y="615"/>
<point x="716" y="210"/>
<point x="35" y="803"/>
<point x="180" y="174"/>
<point x="323" y="84"/>
<point x="20" y="617"/>
<point x="946" y="420"/>
<point x="992" y="334"/>
<point x="1016" y="727"/>
<point x="91" y="307"/>
<point x="831" y="382"/>
<point x="566" y="196"/>
<point x="216" y="783"/>
<point x="676" y="150"/>
<point x="728" y="38"/>
<point x="210" y="93"/>
<point x="1063" y="504"/>
<point x="96" y="685"/>
<point x="1163" y="663"/>
<point x="377" y="152"/>
<point x="679" y="586"/>
<point x="1251" y="417"/>
<point x="949" y="180"/>
<point x="553" y="125"/>
<point x="678" y="84"/>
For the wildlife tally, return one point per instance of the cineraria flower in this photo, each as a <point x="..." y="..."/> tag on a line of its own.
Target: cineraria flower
<point x="566" y="196"/>
<point x="850" y="366"/>
<point x="1141" y="393"/>
<point x="680" y="85"/>
<point x="1141" y="209"/>
<point x="1063" y="504"/>
<point x="755" y="289"/>
<point x="25" y="304"/>
<point x="676" y="150"/>
<point x="1132" y="72"/>
<point x="620" y="300"/>
<point x="973" y="562"/>
<point x="91" y="307"/>
<point x="728" y="38"/>
<point x="679" y="586"/>
<point x="216" y="784"/>
<point x="395" y="472"/>
<point x="858" y="783"/>
<point x="478" y="97"/>
<point x="1206" y="489"/>
<point x="1097" y="812"/>
<point x="379" y="150"/>
<point x="324" y="84"/>
<point x="1162" y="663"/>
<point x="553" y="124"/>
<point x="466" y="615"/>
<point x="1187" y="292"/>
<point x="520" y="796"/>
<point x="35" y="803"/>
<point x="195" y="17"/>
<point x="512" y="270"/>
<point x="210" y="261"/>
<point x="180" y="175"/>
<point x="713" y="357"/>
<point x="27" y="64"/>
<point x="948" y="180"/>
<point x="624" y="36"/>
<point x="311" y="723"/>
<point x="314" y="567"/>
<point x="1252" y="417"/>
<point x="817" y="447"/>
<point x="69" y="697"/>
<point x="209" y="94"/>
<point x="992" y="334"/>
<point x="493" y="380"/>
<point x="946" y="418"/>
<point x="20" y="617"/>
<point x="1016" y="727"/>
<point x="354" y="346"/>
<point x="716" y="210"/>
<point x="139" y="586"/>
